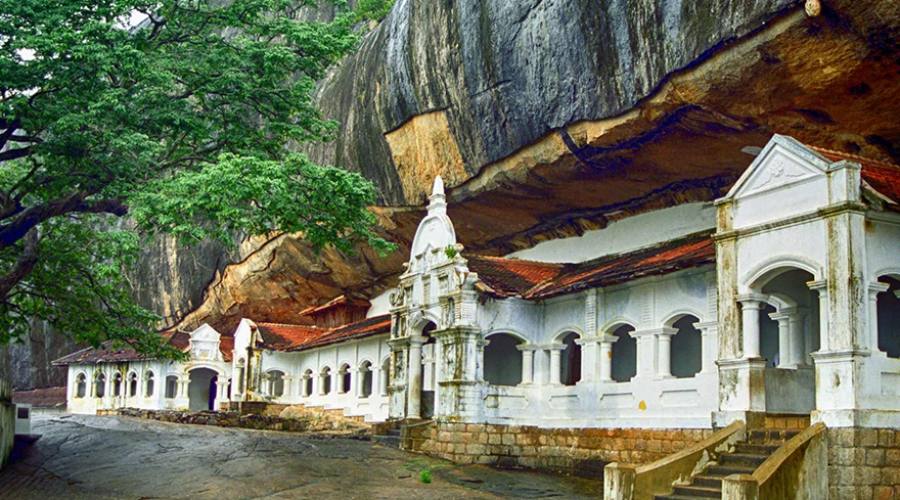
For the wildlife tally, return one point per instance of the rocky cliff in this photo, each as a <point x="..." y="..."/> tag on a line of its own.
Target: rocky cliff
<point x="547" y="118"/>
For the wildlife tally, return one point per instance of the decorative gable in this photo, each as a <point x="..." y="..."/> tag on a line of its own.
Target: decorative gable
<point x="783" y="162"/>
<point x="204" y="345"/>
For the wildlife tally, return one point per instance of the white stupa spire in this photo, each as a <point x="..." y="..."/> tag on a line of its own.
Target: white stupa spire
<point x="437" y="200"/>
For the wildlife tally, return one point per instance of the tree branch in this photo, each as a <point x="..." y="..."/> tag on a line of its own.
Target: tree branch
<point x="23" y="266"/>
<point x="29" y="218"/>
<point x="12" y="154"/>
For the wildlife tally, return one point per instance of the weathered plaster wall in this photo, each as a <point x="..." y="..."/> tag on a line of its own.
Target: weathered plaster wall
<point x="626" y="234"/>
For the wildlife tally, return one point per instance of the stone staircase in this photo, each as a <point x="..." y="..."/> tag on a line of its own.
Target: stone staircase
<point x="743" y="458"/>
<point x="388" y="437"/>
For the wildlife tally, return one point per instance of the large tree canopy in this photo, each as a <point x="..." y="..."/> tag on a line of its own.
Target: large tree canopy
<point x="179" y="123"/>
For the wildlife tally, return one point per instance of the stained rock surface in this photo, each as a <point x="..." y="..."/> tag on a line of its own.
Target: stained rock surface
<point x="547" y="118"/>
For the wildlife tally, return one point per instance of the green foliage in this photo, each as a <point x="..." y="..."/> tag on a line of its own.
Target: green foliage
<point x="425" y="476"/>
<point x="182" y="124"/>
<point x="451" y="252"/>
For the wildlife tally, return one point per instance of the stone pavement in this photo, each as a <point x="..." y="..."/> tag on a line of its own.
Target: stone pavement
<point x="118" y="457"/>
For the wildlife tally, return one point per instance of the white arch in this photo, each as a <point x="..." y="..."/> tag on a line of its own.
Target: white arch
<point x="893" y="272"/>
<point x="420" y="319"/>
<point x="507" y="331"/>
<point x="562" y="332"/>
<point x="363" y="363"/>
<point x="202" y="364"/>
<point x="614" y="323"/>
<point x="768" y="269"/>
<point x="680" y="313"/>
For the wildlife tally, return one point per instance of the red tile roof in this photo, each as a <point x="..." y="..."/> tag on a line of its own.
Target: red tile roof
<point x="506" y="277"/>
<point x="341" y="300"/>
<point x="360" y="329"/>
<point x="107" y="354"/>
<point x="882" y="176"/>
<point x="284" y="337"/>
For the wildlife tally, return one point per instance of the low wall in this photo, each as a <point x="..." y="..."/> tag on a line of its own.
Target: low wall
<point x="580" y="451"/>
<point x="863" y="463"/>
<point x="315" y="424"/>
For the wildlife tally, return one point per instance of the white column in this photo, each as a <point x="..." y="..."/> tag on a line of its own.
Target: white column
<point x="750" y="325"/>
<point x="708" y="345"/>
<point x="784" y="339"/>
<point x="360" y="377"/>
<point x="824" y="336"/>
<point x="874" y="289"/>
<point x="645" y="361"/>
<point x="797" y="341"/>
<point x="664" y="352"/>
<point x="555" y="356"/>
<point x="606" y="345"/>
<point x="527" y="363"/>
<point x="414" y="381"/>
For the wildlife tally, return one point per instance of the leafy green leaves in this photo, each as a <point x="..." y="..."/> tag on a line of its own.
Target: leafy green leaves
<point x="183" y="121"/>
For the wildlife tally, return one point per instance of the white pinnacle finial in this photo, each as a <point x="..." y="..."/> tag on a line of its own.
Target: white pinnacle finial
<point x="437" y="200"/>
<point x="438" y="186"/>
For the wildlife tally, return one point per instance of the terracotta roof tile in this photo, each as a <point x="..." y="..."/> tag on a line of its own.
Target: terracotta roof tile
<point x="536" y="280"/>
<point x="882" y="176"/>
<point x="360" y="329"/>
<point x="689" y="252"/>
<point x="511" y="277"/>
<point x="106" y="354"/>
<point x="341" y="300"/>
<point x="283" y="337"/>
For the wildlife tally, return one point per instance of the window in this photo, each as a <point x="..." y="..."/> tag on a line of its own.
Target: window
<point x="117" y="384"/>
<point x="685" y="348"/>
<point x="365" y="373"/>
<point x="275" y="379"/>
<point x="100" y="385"/>
<point x="132" y="384"/>
<point x="149" y="389"/>
<point x="345" y="379"/>
<point x="888" y="310"/>
<point x="502" y="360"/>
<point x="624" y="354"/>
<point x="80" y="385"/>
<point x="570" y="362"/>
<point x="171" y="387"/>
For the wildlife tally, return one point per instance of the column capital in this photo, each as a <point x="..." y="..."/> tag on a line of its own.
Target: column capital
<point x="751" y="299"/>
<point x="817" y="284"/>
<point x="527" y="347"/>
<point x="706" y="326"/>
<point x="649" y="332"/>
<point x="877" y="287"/>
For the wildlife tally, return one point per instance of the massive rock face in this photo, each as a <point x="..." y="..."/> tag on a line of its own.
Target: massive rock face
<point x="547" y="118"/>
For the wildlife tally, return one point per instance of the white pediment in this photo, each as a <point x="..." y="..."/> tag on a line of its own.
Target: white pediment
<point x="205" y="333"/>
<point x="784" y="161"/>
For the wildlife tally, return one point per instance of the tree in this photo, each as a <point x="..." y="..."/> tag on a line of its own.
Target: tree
<point x="111" y="132"/>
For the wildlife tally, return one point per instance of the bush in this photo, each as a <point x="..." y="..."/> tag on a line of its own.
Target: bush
<point x="425" y="476"/>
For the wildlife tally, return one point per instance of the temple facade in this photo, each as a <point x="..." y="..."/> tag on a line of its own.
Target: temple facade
<point x="781" y="298"/>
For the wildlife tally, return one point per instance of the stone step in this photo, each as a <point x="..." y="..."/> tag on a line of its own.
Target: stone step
<point x="677" y="497"/>
<point x="727" y="470"/>
<point x="771" y="436"/>
<point x="698" y="491"/>
<point x="755" y="448"/>
<point x="708" y="480"/>
<point x="749" y="459"/>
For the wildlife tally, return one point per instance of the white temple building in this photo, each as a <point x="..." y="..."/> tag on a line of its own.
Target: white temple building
<point x="779" y="298"/>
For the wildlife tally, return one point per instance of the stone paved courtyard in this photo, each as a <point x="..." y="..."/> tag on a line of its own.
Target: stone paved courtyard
<point x="116" y="457"/>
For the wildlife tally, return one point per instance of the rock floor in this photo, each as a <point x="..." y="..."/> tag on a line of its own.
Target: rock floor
<point x="118" y="457"/>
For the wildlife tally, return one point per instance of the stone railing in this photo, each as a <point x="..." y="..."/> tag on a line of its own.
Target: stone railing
<point x="798" y="469"/>
<point x="642" y="482"/>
